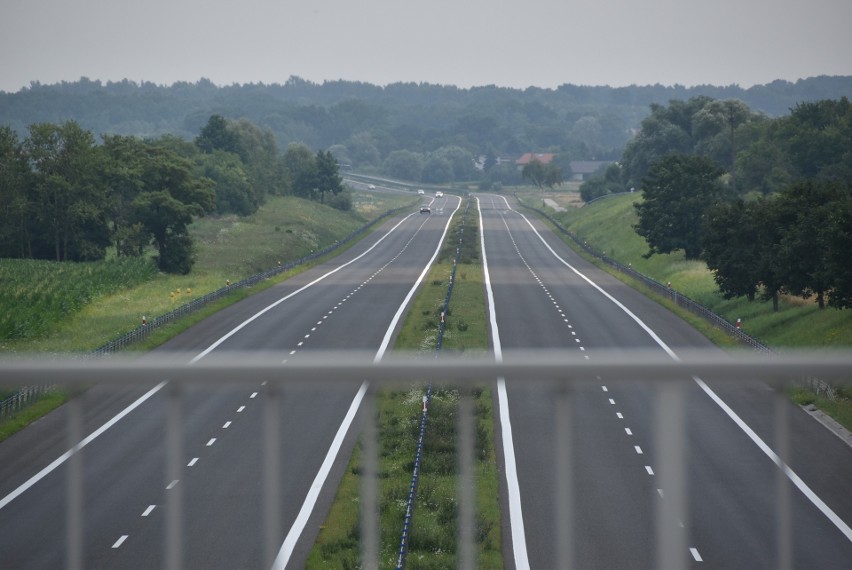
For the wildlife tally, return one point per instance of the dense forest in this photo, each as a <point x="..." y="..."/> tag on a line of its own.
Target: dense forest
<point x="754" y="181"/>
<point x="362" y="124"/>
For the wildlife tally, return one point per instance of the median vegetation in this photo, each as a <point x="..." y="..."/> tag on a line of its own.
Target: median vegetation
<point x="433" y="540"/>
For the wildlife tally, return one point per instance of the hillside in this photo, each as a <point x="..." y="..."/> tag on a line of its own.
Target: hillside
<point x="607" y="225"/>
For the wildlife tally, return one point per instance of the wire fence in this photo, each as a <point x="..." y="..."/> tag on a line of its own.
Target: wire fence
<point x="30" y="394"/>
<point x="424" y="413"/>
<point x="818" y="386"/>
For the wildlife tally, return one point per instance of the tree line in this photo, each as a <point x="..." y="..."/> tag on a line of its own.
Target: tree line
<point x="70" y="198"/>
<point x="766" y="203"/>
<point x="367" y="126"/>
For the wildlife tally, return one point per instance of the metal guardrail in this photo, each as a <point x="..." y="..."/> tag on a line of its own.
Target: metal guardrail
<point x="22" y="398"/>
<point x="142" y="331"/>
<point x="553" y="372"/>
<point x="663" y="290"/>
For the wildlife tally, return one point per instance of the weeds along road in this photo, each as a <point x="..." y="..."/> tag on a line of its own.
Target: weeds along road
<point x="547" y="297"/>
<point x="348" y="303"/>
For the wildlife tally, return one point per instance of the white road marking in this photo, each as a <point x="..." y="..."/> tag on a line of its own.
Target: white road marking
<point x="172" y="485"/>
<point x="149" y="510"/>
<point x="620" y="415"/>
<point x="120" y="541"/>
<point x="240" y="409"/>
<point x="226" y="425"/>
<point x="638" y="449"/>
<point x="604" y="388"/>
<point x="192" y="462"/>
<point x="301" y="521"/>
<point x="211" y="442"/>
<point x="628" y="431"/>
<point x="611" y="402"/>
<point x="695" y="555"/>
<point x="516" y="516"/>
<point x="253" y="395"/>
<point x="649" y="470"/>
<point x="86" y="441"/>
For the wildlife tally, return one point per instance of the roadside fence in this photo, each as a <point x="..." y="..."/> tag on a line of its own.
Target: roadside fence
<point x="818" y="386"/>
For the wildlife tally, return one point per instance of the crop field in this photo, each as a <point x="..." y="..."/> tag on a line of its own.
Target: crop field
<point x="36" y="295"/>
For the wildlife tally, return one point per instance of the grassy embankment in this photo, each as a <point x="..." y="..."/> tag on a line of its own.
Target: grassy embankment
<point x="433" y="538"/>
<point x="799" y="324"/>
<point x="50" y="307"/>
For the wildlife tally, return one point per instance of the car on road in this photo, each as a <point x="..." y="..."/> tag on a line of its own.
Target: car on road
<point x="439" y="194"/>
<point x="421" y="192"/>
<point x="425" y="209"/>
<point x="372" y="186"/>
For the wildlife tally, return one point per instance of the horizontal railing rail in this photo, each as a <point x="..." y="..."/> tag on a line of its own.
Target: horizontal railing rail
<point x="554" y="372"/>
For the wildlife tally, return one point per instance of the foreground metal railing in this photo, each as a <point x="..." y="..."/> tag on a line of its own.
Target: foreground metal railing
<point x="554" y="372"/>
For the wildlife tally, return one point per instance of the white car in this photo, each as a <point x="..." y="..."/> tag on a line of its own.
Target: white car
<point x="421" y="192"/>
<point x="439" y="194"/>
<point x="372" y="186"/>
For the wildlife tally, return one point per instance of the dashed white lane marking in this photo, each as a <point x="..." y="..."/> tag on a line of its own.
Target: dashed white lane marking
<point x="149" y="510"/>
<point x="192" y="462"/>
<point x="120" y="541"/>
<point x="226" y="425"/>
<point x="695" y="555"/>
<point x="172" y="485"/>
<point x="660" y="491"/>
<point x="611" y="402"/>
<point x="619" y="415"/>
<point x="240" y="409"/>
<point x="253" y="395"/>
<point x="628" y="431"/>
<point x="604" y="388"/>
<point x="649" y="470"/>
<point x="211" y="442"/>
<point x="638" y="449"/>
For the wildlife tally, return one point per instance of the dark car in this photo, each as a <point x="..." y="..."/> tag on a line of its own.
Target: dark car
<point x="425" y="210"/>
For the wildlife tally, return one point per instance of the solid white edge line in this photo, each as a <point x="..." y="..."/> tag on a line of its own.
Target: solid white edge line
<point x="516" y="516"/>
<point x="292" y="538"/>
<point x="64" y="457"/>
<point x="791" y="475"/>
<point x="91" y="437"/>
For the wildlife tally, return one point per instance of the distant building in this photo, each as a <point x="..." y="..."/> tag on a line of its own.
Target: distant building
<point x="583" y="169"/>
<point x="527" y="158"/>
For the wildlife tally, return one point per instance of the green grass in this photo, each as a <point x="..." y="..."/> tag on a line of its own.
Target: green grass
<point x="229" y="249"/>
<point x="607" y="225"/>
<point x="433" y="538"/>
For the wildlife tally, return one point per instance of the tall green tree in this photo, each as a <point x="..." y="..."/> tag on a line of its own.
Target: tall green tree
<point x="328" y="180"/>
<point x="69" y="199"/>
<point x="15" y="182"/>
<point x="731" y="249"/>
<point x="677" y="193"/>
<point x="172" y="196"/>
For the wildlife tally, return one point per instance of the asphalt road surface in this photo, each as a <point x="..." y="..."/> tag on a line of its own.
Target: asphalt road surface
<point x="547" y="297"/>
<point x="350" y="303"/>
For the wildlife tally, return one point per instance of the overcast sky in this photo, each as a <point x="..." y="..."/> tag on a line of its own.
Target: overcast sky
<point x="543" y="43"/>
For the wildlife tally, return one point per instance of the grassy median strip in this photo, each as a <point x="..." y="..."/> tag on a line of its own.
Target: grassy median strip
<point x="434" y="535"/>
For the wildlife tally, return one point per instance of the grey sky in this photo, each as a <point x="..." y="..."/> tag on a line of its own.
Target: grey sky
<point x="460" y="42"/>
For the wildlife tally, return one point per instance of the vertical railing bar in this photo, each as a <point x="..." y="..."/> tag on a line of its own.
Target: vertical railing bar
<point x="671" y="505"/>
<point x="74" y="507"/>
<point x="564" y="479"/>
<point x="784" y="537"/>
<point x="466" y="490"/>
<point x="369" y="485"/>
<point x="174" y="471"/>
<point x="272" y="473"/>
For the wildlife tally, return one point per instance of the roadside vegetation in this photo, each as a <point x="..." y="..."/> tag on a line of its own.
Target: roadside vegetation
<point x="434" y="532"/>
<point x="70" y="307"/>
<point x="797" y="324"/>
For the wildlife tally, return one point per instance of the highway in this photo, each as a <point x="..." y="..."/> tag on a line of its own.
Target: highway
<point x="544" y="297"/>
<point x="352" y="302"/>
<point x="547" y="297"/>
